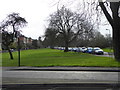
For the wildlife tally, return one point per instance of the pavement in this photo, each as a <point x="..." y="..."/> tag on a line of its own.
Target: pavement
<point x="63" y="68"/>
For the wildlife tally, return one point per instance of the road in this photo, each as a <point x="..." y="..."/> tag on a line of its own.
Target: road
<point x="35" y="77"/>
<point x="59" y="80"/>
<point x="106" y="54"/>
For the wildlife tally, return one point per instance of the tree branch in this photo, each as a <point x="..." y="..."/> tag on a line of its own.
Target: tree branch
<point x="109" y="18"/>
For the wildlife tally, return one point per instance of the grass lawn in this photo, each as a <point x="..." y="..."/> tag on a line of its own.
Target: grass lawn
<point x="52" y="57"/>
<point x="107" y="50"/>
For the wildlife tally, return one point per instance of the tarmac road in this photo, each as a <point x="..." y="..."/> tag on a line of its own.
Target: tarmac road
<point x="41" y="77"/>
<point x="59" y="80"/>
<point x="106" y="54"/>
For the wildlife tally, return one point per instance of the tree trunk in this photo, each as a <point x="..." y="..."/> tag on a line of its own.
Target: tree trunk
<point x="116" y="29"/>
<point x="115" y="23"/>
<point x="66" y="47"/>
<point x="116" y="36"/>
<point x="11" y="56"/>
<point x="116" y="43"/>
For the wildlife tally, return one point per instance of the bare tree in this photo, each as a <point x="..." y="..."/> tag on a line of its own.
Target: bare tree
<point x="69" y="24"/>
<point x="114" y="21"/>
<point x="9" y="28"/>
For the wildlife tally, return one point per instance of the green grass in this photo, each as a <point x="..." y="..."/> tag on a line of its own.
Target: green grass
<point x="52" y="57"/>
<point x="108" y="50"/>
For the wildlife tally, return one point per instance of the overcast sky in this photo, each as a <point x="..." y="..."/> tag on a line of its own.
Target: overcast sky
<point x="36" y="13"/>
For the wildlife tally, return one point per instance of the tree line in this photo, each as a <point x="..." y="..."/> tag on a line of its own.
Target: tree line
<point x="52" y="39"/>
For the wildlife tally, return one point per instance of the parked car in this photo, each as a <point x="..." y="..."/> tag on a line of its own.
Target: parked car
<point x="83" y="49"/>
<point x="12" y="50"/>
<point x="89" y="50"/>
<point x="78" y="49"/>
<point x="62" y="48"/>
<point x="98" y="51"/>
<point x="70" y="49"/>
<point x="75" y="49"/>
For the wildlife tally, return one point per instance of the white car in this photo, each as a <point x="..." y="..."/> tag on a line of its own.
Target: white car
<point x="83" y="49"/>
<point x="98" y="51"/>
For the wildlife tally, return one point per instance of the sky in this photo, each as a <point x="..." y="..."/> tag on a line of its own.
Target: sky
<point x="36" y="13"/>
